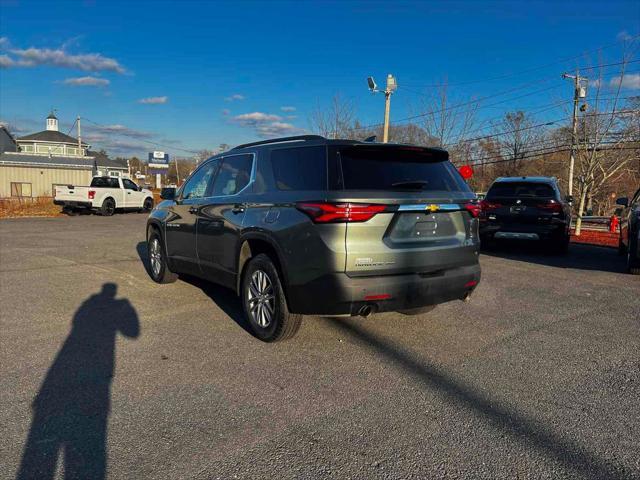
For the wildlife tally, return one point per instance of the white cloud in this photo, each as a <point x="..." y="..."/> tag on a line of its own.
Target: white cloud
<point x="235" y="97"/>
<point x="256" y="117"/>
<point x="630" y="81"/>
<point x="117" y="129"/>
<point x="267" y="125"/>
<point x="277" y="129"/>
<point x="288" y="109"/>
<point x="86" y="82"/>
<point x="56" y="57"/>
<point x="154" y="100"/>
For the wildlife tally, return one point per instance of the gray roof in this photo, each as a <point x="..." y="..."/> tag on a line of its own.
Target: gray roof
<point x="52" y="136"/>
<point x="59" y="161"/>
<point x="526" y="179"/>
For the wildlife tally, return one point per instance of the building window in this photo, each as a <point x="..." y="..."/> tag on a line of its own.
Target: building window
<point x="19" y="189"/>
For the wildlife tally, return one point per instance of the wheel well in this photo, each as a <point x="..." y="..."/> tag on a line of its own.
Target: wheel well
<point x="253" y="247"/>
<point x="109" y="198"/>
<point x="150" y="228"/>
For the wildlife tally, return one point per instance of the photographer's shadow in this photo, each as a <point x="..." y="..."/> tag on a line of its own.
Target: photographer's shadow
<point x="71" y="409"/>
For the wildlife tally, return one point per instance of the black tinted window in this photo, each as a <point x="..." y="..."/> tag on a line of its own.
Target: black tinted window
<point x="302" y="168"/>
<point x="234" y="175"/>
<point x="397" y="168"/>
<point x="521" y="189"/>
<point x="105" y="182"/>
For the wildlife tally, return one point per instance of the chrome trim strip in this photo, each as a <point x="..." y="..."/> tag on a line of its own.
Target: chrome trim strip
<point x="421" y="207"/>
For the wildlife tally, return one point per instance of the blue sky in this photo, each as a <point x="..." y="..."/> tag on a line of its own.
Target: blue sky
<point x="215" y="72"/>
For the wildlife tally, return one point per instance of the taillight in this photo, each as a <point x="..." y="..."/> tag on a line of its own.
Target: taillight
<point x="473" y="208"/>
<point x="92" y="194"/>
<point x="551" y="206"/>
<point x="486" y="206"/>
<point x="340" y="212"/>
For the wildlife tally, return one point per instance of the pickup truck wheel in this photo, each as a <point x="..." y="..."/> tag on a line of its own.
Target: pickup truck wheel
<point x="108" y="207"/>
<point x="264" y="303"/>
<point x="158" y="268"/>
<point x="147" y="206"/>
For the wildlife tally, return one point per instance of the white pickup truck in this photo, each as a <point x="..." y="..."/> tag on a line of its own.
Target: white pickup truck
<point x="104" y="195"/>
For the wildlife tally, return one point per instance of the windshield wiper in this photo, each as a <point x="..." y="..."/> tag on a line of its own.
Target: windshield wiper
<point x="411" y="185"/>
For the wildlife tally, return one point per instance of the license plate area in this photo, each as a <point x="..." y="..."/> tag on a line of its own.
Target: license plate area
<point x="518" y="209"/>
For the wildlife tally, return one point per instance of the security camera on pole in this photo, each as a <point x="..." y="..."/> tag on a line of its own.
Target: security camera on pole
<point x="391" y="87"/>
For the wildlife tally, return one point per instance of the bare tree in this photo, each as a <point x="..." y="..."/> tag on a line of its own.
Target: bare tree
<point x="447" y="124"/>
<point x="605" y="142"/>
<point x="516" y="140"/>
<point x="336" y="121"/>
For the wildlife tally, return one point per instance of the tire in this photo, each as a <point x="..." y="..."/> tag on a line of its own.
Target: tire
<point x="158" y="269"/>
<point x="108" y="207"/>
<point x="264" y="303"/>
<point x="147" y="205"/>
<point x="633" y="264"/>
<point x="417" y="311"/>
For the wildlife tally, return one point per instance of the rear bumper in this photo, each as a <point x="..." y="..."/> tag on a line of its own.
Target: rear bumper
<point x="339" y="294"/>
<point x="73" y="204"/>
<point x="521" y="231"/>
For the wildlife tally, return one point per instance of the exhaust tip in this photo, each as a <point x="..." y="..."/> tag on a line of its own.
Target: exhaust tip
<point x="365" y="310"/>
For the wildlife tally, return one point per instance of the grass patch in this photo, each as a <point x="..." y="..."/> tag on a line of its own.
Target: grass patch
<point x="29" y="207"/>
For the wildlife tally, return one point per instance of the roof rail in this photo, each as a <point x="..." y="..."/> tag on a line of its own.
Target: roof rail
<point x="299" y="138"/>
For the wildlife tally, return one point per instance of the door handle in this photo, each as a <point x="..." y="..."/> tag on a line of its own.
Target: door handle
<point x="238" y="208"/>
<point x="193" y="210"/>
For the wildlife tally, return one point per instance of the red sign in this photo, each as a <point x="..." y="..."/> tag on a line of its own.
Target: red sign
<point x="466" y="171"/>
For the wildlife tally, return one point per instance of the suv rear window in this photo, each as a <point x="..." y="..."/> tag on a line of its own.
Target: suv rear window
<point x="521" y="189"/>
<point x="105" y="182"/>
<point x="301" y="168"/>
<point x="396" y="168"/>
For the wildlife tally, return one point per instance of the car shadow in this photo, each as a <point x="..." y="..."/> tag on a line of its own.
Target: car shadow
<point x="71" y="409"/>
<point x="514" y="424"/>
<point x="579" y="256"/>
<point x="225" y="298"/>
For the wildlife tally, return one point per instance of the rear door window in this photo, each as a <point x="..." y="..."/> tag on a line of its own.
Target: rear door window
<point x="394" y="168"/>
<point x="300" y="168"/>
<point x="521" y="190"/>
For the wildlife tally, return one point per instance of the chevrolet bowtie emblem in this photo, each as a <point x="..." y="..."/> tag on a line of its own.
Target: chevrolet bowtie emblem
<point x="432" y="208"/>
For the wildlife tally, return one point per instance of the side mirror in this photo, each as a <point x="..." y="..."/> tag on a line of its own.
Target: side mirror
<point x="168" y="193"/>
<point x="569" y="198"/>
<point x="624" y="201"/>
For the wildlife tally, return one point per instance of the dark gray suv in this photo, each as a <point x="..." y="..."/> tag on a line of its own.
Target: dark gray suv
<point x="309" y="226"/>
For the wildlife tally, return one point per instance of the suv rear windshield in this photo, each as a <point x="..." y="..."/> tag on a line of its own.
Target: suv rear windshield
<point x="105" y="182"/>
<point x="521" y="189"/>
<point x="394" y="168"/>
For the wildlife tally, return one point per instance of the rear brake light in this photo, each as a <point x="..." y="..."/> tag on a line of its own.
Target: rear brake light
<point x="486" y="206"/>
<point x="382" y="296"/>
<point x="473" y="208"/>
<point x="92" y="194"/>
<point x="471" y="283"/>
<point x="321" y="212"/>
<point x="551" y="206"/>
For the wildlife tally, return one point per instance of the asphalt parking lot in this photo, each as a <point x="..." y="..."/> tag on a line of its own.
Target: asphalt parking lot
<point x="538" y="376"/>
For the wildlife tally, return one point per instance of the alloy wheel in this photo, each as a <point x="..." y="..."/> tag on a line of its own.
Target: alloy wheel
<point x="261" y="299"/>
<point x="155" y="256"/>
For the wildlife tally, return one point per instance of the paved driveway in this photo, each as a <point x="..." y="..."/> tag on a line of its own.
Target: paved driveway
<point x="104" y="373"/>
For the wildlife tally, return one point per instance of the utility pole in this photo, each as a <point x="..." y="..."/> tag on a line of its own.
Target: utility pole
<point x="391" y="87"/>
<point x="578" y="93"/>
<point x="79" y="137"/>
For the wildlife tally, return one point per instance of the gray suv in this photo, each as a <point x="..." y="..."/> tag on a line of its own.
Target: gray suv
<point x="309" y="226"/>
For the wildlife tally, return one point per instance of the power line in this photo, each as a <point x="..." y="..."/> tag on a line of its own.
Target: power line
<point x="522" y="72"/>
